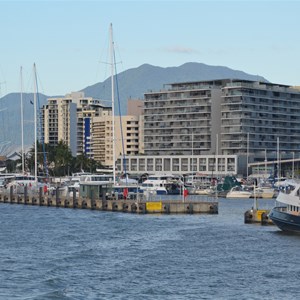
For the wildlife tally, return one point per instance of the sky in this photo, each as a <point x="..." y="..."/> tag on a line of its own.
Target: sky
<point x="69" y="40"/>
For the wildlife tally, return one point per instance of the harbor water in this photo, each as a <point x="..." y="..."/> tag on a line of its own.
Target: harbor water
<point x="57" y="253"/>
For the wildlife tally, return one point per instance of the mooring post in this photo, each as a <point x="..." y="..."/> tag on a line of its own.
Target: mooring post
<point x="40" y="194"/>
<point x="11" y="193"/>
<point x="57" y="195"/>
<point x="74" y="197"/>
<point x="25" y="193"/>
<point x="92" y="199"/>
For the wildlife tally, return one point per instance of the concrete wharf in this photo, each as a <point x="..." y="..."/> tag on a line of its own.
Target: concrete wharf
<point x="114" y="205"/>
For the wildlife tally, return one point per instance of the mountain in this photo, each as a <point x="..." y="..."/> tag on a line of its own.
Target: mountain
<point x="132" y="83"/>
<point x="10" y="120"/>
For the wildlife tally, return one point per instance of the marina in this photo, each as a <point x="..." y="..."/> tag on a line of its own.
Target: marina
<point x="160" y="163"/>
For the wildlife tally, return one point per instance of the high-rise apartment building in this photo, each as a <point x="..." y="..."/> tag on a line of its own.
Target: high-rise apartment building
<point x="227" y="117"/>
<point x="69" y="119"/>
<point x="183" y="119"/>
<point x="87" y="109"/>
<point x="126" y="137"/>
<point x="259" y="118"/>
<point x="59" y="122"/>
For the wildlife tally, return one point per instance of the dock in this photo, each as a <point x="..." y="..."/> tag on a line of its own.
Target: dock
<point x="257" y="216"/>
<point x="114" y="205"/>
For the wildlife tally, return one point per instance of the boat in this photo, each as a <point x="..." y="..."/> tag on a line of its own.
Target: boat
<point x="200" y="184"/>
<point x="286" y="214"/>
<point x="199" y="179"/>
<point x="204" y="191"/>
<point x="265" y="192"/>
<point x="226" y="184"/>
<point x="74" y="184"/>
<point x="161" y="185"/>
<point x="18" y="182"/>
<point x="95" y="186"/>
<point x="126" y="191"/>
<point x="239" y="192"/>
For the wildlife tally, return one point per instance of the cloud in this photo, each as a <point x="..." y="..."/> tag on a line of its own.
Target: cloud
<point x="180" y="49"/>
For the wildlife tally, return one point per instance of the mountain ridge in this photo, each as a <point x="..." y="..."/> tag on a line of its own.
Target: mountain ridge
<point x="134" y="82"/>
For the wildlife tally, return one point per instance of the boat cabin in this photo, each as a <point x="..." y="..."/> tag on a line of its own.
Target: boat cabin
<point x="95" y="186"/>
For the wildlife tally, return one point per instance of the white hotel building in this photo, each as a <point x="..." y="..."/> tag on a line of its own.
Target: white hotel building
<point x="217" y="126"/>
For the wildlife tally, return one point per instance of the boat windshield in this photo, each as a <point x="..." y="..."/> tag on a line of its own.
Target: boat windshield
<point x="147" y="185"/>
<point x="288" y="189"/>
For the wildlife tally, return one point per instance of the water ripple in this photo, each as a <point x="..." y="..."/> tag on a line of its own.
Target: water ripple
<point x="56" y="253"/>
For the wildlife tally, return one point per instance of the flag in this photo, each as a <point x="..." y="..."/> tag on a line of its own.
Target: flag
<point x="125" y="193"/>
<point x="185" y="193"/>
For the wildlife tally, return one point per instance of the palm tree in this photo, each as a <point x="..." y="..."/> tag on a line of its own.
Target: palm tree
<point x="42" y="160"/>
<point x="63" y="159"/>
<point x="81" y="162"/>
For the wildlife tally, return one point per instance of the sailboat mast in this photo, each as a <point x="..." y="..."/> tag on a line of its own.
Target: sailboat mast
<point x="35" y="122"/>
<point x="22" y="122"/>
<point x="248" y="137"/>
<point x="266" y="172"/>
<point x="113" y="100"/>
<point x="192" y="156"/>
<point x="278" y="160"/>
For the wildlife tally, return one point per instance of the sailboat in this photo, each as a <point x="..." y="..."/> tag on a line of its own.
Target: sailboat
<point x="112" y="64"/>
<point x="21" y="180"/>
<point x="123" y="187"/>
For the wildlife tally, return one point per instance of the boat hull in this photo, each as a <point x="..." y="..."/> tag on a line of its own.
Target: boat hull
<point x="237" y="195"/>
<point x="284" y="220"/>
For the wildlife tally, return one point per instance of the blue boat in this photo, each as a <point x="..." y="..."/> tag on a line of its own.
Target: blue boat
<point x="286" y="215"/>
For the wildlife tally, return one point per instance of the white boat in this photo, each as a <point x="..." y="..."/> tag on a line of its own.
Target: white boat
<point x="74" y="186"/>
<point x="265" y="192"/>
<point x="95" y="179"/>
<point x="126" y="191"/>
<point x="239" y="192"/>
<point x="200" y="184"/>
<point x="95" y="186"/>
<point x="19" y="181"/>
<point x="286" y="214"/>
<point x="5" y="179"/>
<point x="204" y="191"/>
<point x="74" y="183"/>
<point x="161" y="185"/>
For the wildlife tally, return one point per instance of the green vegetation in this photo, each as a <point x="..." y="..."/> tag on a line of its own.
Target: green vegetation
<point x="58" y="160"/>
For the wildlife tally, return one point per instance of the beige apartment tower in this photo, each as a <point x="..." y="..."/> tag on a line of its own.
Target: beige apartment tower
<point x="126" y="138"/>
<point x="69" y="119"/>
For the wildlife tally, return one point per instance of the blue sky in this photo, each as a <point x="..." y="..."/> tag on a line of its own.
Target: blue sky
<point x="69" y="40"/>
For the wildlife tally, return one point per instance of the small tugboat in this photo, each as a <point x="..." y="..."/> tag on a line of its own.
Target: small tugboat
<point x="286" y="216"/>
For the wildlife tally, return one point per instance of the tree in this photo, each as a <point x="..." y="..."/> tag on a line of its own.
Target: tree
<point x="59" y="160"/>
<point x="63" y="159"/>
<point x="44" y="157"/>
<point x="11" y="166"/>
<point x="81" y="162"/>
